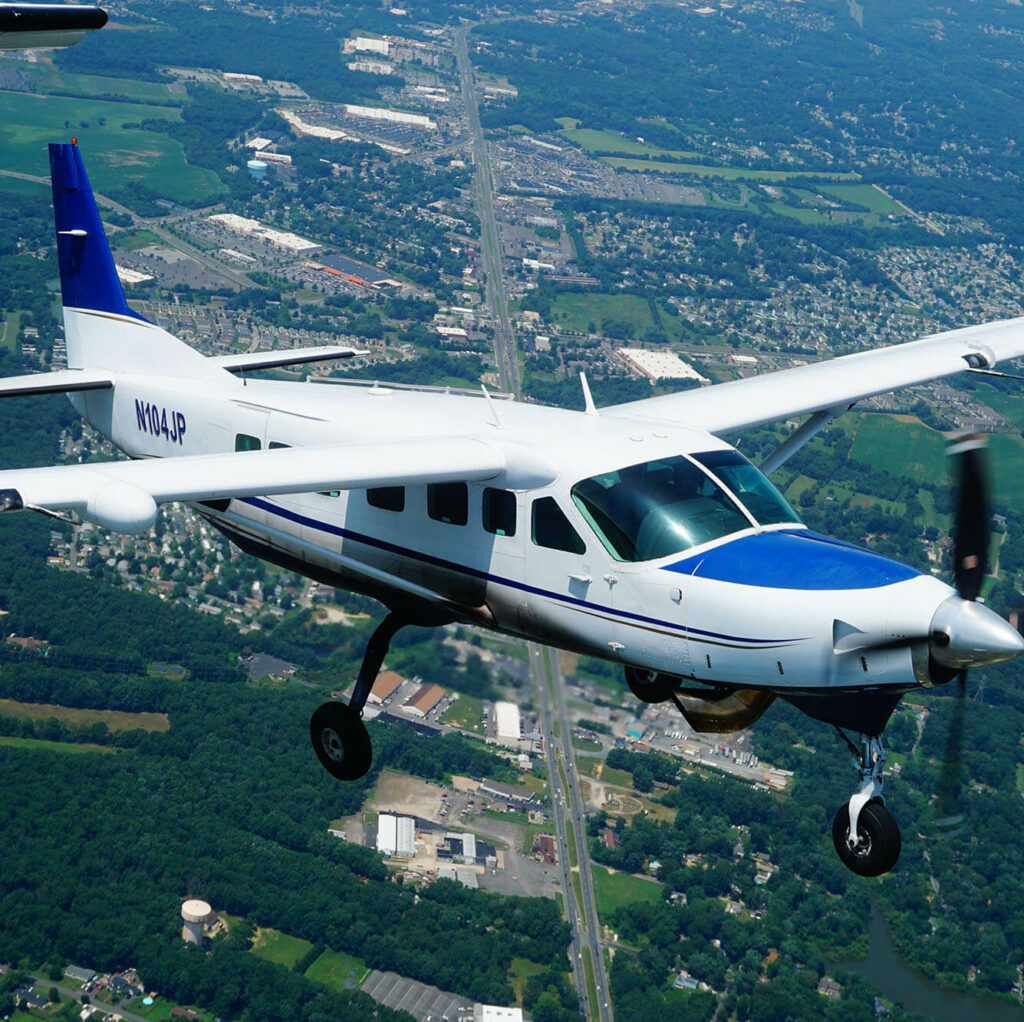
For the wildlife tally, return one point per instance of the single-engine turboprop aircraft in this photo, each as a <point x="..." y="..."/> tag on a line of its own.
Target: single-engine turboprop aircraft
<point x="631" y="533"/>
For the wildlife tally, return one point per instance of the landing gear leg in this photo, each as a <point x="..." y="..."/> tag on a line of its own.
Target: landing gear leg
<point x="864" y="833"/>
<point x="337" y="731"/>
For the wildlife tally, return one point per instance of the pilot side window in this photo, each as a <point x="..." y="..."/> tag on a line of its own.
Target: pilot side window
<point x="244" y="442"/>
<point x="387" y="498"/>
<point x="448" y="502"/>
<point x="551" y="529"/>
<point x="499" y="511"/>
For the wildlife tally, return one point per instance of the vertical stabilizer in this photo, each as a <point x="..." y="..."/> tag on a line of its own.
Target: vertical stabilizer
<point x="88" y="278"/>
<point x="102" y="332"/>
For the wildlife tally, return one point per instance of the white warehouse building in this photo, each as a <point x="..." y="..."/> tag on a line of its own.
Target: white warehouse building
<point x="396" y="835"/>
<point x="507" y="720"/>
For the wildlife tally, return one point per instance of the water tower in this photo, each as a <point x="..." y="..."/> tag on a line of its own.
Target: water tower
<point x="257" y="169"/>
<point x="194" y="913"/>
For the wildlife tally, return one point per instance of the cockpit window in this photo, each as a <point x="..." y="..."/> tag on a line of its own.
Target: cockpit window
<point x="750" y="486"/>
<point x="657" y="508"/>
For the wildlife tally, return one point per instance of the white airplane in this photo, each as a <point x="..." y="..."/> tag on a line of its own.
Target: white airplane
<point x="631" y="533"/>
<point x="47" y="26"/>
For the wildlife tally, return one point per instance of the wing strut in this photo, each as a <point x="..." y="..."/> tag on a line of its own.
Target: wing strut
<point x="800" y="436"/>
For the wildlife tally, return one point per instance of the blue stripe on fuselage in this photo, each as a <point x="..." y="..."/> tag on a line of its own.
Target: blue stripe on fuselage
<point x="381" y="544"/>
<point x="794" y="560"/>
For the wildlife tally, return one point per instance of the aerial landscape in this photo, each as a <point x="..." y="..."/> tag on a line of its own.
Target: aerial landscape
<point x="664" y="196"/>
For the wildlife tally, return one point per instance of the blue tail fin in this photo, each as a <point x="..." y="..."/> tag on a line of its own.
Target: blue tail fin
<point x="88" y="279"/>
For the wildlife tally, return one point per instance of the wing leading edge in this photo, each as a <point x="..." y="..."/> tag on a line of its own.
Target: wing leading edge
<point x="834" y="384"/>
<point x="123" y="495"/>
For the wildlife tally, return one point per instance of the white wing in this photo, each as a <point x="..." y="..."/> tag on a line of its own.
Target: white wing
<point x="835" y="384"/>
<point x="123" y="495"/>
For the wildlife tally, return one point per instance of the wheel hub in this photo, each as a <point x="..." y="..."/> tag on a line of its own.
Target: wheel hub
<point x="332" y="745"/>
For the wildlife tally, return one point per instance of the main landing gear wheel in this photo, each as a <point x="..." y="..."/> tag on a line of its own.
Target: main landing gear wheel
<point x="878" y="840"/>
<point x="340" y="741"/>
<point x="650" y="686"/>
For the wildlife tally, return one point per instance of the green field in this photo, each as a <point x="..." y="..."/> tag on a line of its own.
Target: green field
<point x="133" y="240"/>
<point x="10" y="334"/>
<point x="115" y="154"/>
<point x="901" y="446"/>
<point x="522" y="969"/>
<point x="613" y="890"/>
<point x="588" y="975"/>
<point x="863" y="195"/>
<point x="608" y="141"/>
<point x="116" y="720"/>
<point x="273" y="946"/>
<point x="466" y="713"/>
<point x="73" y="748"/>
<point x="584" y="313"/>
<point x="727" y="173"/>
<point x="339" y="971"/>
<point x="51" y="80"/>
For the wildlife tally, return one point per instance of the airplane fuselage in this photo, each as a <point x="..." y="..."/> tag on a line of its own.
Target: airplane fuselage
<point x="764" y="605"/>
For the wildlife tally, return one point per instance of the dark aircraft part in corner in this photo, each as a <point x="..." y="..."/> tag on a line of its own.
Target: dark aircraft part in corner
<point x="722" y="713"/>
<point x="10" y="500"/>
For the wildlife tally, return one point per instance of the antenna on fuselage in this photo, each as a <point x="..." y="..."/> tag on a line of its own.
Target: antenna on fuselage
<point x="491" y="405"/>
<point x="588" y="399"/>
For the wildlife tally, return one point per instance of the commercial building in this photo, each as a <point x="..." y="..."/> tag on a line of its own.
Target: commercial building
<point x="396" y="835"/>
<point x="380" y="113"/>
<point x="660" y="365"/>
<point x="507" y="721"/>
<point x="284" y="240"/>
<point x="384" y="687"/>
<point x="425" y="699"/>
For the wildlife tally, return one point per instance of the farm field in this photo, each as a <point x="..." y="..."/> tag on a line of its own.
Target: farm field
<point x="115" y="154"/>
<point x="115" y="720"/>
<point x="727" y="173"/>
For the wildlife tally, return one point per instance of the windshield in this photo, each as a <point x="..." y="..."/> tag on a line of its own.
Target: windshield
<point x="657" y="508"/>
<point x="750" y="486"/>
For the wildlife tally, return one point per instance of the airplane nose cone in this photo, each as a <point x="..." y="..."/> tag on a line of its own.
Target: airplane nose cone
<point x="968" y="634"/>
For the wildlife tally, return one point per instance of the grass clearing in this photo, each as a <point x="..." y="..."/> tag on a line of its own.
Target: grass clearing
<point x="613" y="890"/>
<point x="41" y="745"/>
<point x="872" y="198"/>
<point x="466" y="713"/>
<point x="1020" y="778"/>
<point x="339" y="971"/>
<point x="134" y="240"/>
<point x="725" y="173"/>
<point x="163" y="1011"/>
<point x="10" y="335"/>
<point x="48" y="78"/>
<point x="116" y="720"/>
<point x="519" y="973"/>
<point x="274" y="946"/>
<point x="116" y="154"/>
<point x="585" y="745"/>
<point x="607" y="140"/>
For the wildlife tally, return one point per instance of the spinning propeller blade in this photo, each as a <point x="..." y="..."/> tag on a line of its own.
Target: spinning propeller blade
<point x="971" y="517"/>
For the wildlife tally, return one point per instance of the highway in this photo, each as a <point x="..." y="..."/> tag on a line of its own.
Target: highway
<point x="569" y="814"/>
<point x="505" y="352"/>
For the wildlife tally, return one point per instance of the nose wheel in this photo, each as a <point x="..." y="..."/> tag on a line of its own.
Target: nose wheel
<point x="865" y="834"/>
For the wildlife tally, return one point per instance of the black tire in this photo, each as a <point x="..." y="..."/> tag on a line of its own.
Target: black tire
<point x="340" y="741"/>
<point x="879" y="846"/>
<point x="649" y="686"/>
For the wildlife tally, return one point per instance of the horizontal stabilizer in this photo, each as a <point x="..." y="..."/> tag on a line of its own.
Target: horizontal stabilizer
<point x="61" y="381"/>
<point x="272" y="359"/>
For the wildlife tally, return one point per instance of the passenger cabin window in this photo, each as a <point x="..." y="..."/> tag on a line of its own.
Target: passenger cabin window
<point x="499" y="511"/>
<point x="387" y="498"/>
<point x="657" y="508"/>
<point x="244" y="442"/>
<point x="448" y="502"/>
<point x="550" y="528"/>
